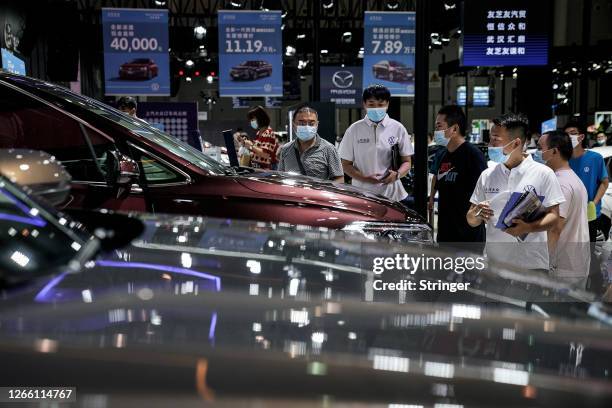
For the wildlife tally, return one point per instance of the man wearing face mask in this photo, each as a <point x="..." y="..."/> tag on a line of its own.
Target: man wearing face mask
<point x="600" y="139"/>
<point x="366" y="147"/>
<point x="591" y="169"/>
<point x="514" y="172"/>
<point x="457" y="174"/>
<point x="309" y="154"/>
<point x="568" y="241"/>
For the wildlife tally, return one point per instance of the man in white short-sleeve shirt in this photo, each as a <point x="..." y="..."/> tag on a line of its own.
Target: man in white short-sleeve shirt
<point x="570" y="254"/>
<point x="365" y="150"/>
<point x="515" y="172"/>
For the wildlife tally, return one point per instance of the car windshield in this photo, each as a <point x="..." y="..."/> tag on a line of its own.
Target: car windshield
<point x="252" y="63"/>
<point x="396" y="64"/>
<point x="32" y="239"/>
<point x="141" y="61"/>
<point x="137" y="126"/>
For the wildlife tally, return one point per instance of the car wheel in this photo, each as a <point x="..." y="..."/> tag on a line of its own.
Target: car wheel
<point x="391" y="77"/>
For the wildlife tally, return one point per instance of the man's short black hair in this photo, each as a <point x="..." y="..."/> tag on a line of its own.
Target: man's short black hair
<point x="557" y="139"/>
<point x="126" y="102"/>
<point x="304" y="108"/>
<point x="260" y="114"/>
<point x="516" y="123"/>
<point x="574" y="124"/>
<point x="379" y="92"/>
<point x="454" y="115"/>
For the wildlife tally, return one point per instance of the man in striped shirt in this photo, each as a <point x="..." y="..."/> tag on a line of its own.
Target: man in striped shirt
<point x="309" y="154"/>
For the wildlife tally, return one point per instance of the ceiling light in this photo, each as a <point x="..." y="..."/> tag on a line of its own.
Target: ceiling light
<point x="290" y="51"/>
<point x="327" y="4"/>
<point x="210" y="79"/>
<point x="301" y="36"/>
<point x="189" y="63"/>
<point x="347" y="37"/>
<point x="188" y="79"/>
<point x="449" y="6"/>
<point x="199" y="31"/>
<point x="160" y="3"/>
<point x="237" y="3"/>
<point x="324" y="51"/>
<point x="392" y="4"/>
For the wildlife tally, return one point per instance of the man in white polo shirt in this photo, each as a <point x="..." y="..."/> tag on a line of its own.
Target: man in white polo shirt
<point x="515" y="172"/>
<point x="365" y="150"/>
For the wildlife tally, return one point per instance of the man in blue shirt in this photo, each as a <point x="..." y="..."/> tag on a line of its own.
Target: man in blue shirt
<point x="591" y="169"/>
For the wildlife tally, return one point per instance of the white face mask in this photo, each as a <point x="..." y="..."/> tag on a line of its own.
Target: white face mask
<point x="575" y="141"/>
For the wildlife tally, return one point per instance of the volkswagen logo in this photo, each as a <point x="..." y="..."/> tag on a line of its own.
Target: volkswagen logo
<point x="343" y="79"/>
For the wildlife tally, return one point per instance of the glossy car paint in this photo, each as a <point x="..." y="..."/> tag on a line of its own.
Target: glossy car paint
<point x="392" y="71"/>
<point x="248" y="194"/>
<point x="137" y="69"/>
<point x="230" y="312"/>
<point x="251" y="70"/>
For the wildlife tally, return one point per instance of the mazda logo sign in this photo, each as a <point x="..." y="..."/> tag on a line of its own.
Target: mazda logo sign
<point x="343" y="79"/>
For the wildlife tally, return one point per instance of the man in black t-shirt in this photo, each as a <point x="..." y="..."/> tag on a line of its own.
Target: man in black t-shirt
<point x="456" y="178"/>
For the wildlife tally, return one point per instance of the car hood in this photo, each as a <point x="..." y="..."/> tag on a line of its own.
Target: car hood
<point x="325" y="193"/>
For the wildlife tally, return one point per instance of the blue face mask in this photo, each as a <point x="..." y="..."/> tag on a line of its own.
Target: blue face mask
<point x="497" y="155"/>
<point x="254" y="124"/>
<point x="376" y="114"/>
<point x="306" y="133"/>
<point x="439" y="138"/>
<point x="538" y="156"/>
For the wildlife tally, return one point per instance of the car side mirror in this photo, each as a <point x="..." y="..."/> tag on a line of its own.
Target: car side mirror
<point x="121" y="172"/>
<point x="37" y="171"/>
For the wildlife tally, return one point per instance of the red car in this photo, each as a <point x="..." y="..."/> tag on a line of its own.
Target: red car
<point x="121" y="163"/>
<point x="392" y="71"/>
<point x="139" y="68"/>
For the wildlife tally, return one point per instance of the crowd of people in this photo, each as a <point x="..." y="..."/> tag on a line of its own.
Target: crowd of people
<point x="473" y="192"/>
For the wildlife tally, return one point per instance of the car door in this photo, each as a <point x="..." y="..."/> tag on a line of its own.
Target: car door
<point x="28" y="122"/>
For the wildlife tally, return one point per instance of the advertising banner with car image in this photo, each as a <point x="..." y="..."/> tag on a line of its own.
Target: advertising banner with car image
<point x="342" y="86"/>
<point x="389" y="51"/>
<point x="136" y="60"/>
<point x="250" y="53"/>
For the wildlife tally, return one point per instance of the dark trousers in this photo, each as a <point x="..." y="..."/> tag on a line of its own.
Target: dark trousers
<point x="595" y="281"/>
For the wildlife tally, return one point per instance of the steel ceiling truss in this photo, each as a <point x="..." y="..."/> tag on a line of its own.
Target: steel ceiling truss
<point x="299" y="13"/>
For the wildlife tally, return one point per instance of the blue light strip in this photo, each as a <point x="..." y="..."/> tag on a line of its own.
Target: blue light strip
<point x="163" y="268"/>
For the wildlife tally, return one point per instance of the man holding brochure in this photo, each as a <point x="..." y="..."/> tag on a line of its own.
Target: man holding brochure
<point x="516" y="186"/>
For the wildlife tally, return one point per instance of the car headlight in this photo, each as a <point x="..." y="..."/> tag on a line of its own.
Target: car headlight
<point x="397" y="232"/>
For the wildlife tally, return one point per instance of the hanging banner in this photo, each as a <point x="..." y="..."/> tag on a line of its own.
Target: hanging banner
<point x="250" y="53"/>
<point x="342" y="86"/>
<point x="180" y="119"/>
<point x="505" y="33"/>
<point x="389" y="50"/>
<point x="136" y="60"/>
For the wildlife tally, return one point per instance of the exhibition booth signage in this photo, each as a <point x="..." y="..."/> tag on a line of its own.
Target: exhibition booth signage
<point x="179" y="119"/>
<point x="11" y="63"/>
<point x="505" y="33"/>
<point x="342" y="86"/>
<point x="136" y="60"/>
<point x="250" y="53"/>
<point x="389" y="51"/>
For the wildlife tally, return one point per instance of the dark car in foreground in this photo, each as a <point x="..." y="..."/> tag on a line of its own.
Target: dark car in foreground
<point x="122" y="163"/>
<point x="235" y="313"/>
<point x="392" y="71"/>
<point x="139" y="68"/>
<point x="251" y="70"/>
